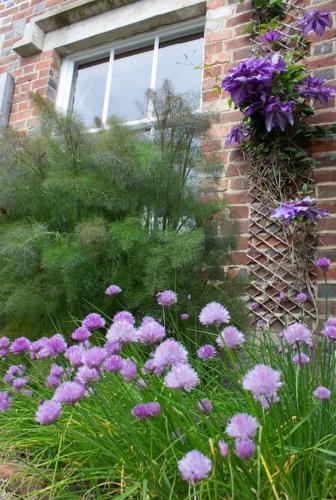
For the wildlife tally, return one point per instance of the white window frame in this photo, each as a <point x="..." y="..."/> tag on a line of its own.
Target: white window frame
<point x="69" y="64"/>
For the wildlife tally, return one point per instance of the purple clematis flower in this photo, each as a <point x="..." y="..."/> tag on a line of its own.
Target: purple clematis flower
<point x="271" y="36"/>
<point x="278" y="114"/>
<point x="237" y="134"/>
<point x="298" y="210"/>
<point x="316" y="21"/>
<point x="313" y="88"/>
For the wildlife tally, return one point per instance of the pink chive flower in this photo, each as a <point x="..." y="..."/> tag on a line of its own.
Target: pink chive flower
<point x="244" y="449"/>
<point x="112" y="347"/>
<point x="113" y="363"/>
<point x="181" y="377"/>
<point x="214" y="314"/>
<point x="86" y="375"/>
<point x="206" y="351"/>
<point x="184" y="316"/>
<point x="81" y="334"/>
<point x="300" y="359"/>
<point x="124" y="316"/>
<point x="53" y="381"/>
<point x="48" y="412"/>
<point x="169" y="353"/>
<point x="12" y="372"/>
<point x="113" y="290"/>
<point x="230" y="337"/>
<point x="323" y="263"/>
<point x="5" y="402"/>
<point x="146" y="410"/>
<point x="69" y="393"/>
<point x="20" y="382"/>
<point x="263" y="382"/>
<point x="55" y="345"/>
<point x="223" y="448"/>
<point x="74" y="354"/>
<point x="282" y="296"/>
<point x="254" y="306"/>
<point x="194" y="466"/>
<point x="121" y="331"/>
<point x="151" y="332"/>
<point x="242" y="426"/>
<point x="93" y="321"/>
<point x="94" y="357"/>
<point x="19" y="345"/>
<point x="330" y="329"/>
<point x="301" y="298"/>
<point x="146" y="320"/>
<point x="56" y="370"/>
<point x="128" y="370"/>
<point x="322" y="393"/>
<point x="4" y="346"/>
<point x="205" y="405"/>
<point x="166" y="298"/>
<point x="297" y="333"/>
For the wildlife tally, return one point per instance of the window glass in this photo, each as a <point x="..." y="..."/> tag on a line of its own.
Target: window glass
<point x="131" y="76"/>
<point x="89" y="92"/>
<point x="177" y="61"/>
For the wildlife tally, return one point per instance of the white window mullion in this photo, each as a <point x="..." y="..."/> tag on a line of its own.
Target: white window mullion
<point x="108" y="89"/>
<point x="154" y="73"/>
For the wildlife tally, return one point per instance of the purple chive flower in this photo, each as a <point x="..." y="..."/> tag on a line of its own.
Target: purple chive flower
<point x="300" y="297"/>
<point x="330" y="329"/>
<point x="254" y="306"/>
<point x="93" y="321"/>
<point x="86" y="375"/>
<point x="278" y="114"/>
<point x="112" y="347"/>
<point x="194" y="466"/>
<point x="74" y="354"/>
<point x="146" y="410"/>
<point x="242" y="426"/>
<point x="12" y="372"/>
<point x="206" y="351"/>
<point x="322" y="393"/>
<point x="181" y="377"/>
<point x="128" y="370"/>
<point x="53" y="381"/>
<point x="94" y="357"/>
<point x="4" y="346"/>
<point x="297" y="333"/>
<point x="56" y="370"/>
<point x="205" y="405"/>
<point x="113" y="363"/>
<point x="124" y="316"/>
<point x="316" y="21"/>
<point x="282" y="296"/>
<point x="69" y="393"/>
<point x="300" y="359"/>
<point x="230" y="337"/>
<point x="151" y="332"/>
<point x="314" y="88"/>
<point x="184" y="316"/>
<point x="48" y="412"/>
<point x="20" y="345"/>
<point x="323" y="263"/>
<point x="166" y="298"/>
<point x="301" y="210"/>
<point x="169" y="353"/>
<point x="238" y="135"/>
<point x="146" y="320"/>
<point x="214" y="314"/>
<point x="20" y="382"/>
<point x="245" y="449"/>
<point x="271" y="36"/>
<point x="54" y="346"/>
<point x="121" y="331"/>
<point x="113" y="290"/>
<point x="263" y="382"/>
<point x="261" y="323"/>
<point x="4" y="401"/>
<point x="223" y="448"/>
<point x="81" y="334"/>
<point x="251" y="78"/>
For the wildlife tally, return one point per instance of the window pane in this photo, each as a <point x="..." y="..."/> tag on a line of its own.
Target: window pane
<point x="89" y="92"/>
<point x="177" y="60"/>
<point x="131" y="76"/>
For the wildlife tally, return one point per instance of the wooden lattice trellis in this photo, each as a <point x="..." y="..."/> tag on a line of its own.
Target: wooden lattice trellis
<point x="271" y="256"/>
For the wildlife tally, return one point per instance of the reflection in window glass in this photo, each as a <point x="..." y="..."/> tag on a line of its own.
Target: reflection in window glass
<point x="89" y="92"/>
<point x="177" y="61"/>
<point x="131" y="75"/>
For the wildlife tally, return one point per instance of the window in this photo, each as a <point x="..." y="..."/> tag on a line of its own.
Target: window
<point x="115" y="81"/>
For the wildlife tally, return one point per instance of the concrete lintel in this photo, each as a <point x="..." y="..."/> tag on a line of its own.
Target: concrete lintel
<point x="32" y="41"/>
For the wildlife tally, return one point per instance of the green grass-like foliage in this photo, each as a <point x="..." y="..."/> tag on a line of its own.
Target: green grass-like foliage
<point x="79" y="211"/>
<point x="97" y="449"/>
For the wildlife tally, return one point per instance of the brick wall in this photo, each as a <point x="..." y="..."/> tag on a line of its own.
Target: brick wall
<point x="226" y="43"/>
